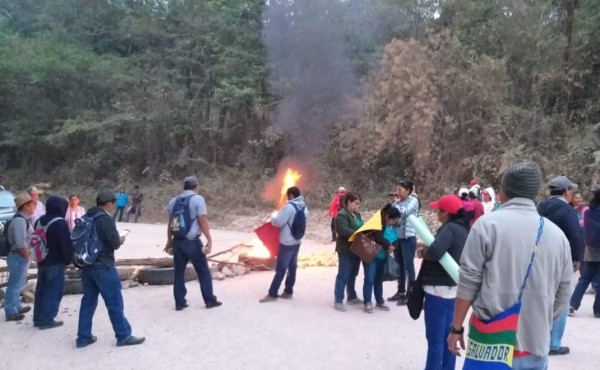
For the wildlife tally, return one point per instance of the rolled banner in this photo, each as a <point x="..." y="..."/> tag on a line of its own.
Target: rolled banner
<point x="447" y="262"/>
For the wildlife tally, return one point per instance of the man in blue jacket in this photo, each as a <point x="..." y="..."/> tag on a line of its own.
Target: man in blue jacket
<point x="557" y="208"/>
<point x="289" y="246"/>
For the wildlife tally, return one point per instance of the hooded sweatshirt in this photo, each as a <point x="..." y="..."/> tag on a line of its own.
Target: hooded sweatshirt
<point x="285" y="218"/>
<point x="58" y="236"/>
<point x="491" y="205"/>
<point x="592" y="234"/>
<point x="557" y="210"/>
<point x="108" y="235"/>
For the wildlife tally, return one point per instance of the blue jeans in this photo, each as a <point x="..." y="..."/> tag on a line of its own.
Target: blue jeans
<point x="185" y="251"/>
<point x="439" y="313"/>
<point x="405" y="256"/>
<point x="17" y="277"/>
<point x="530" y="363"/>
<point x="558" y="329"/>
<point x="373" y="283"/>
<point x="287" y="261"/>
<point x="103" y="280"/>
<point x="348" y="267"/>
<point x="589" y="274"/>
<point x="48" y="293"/>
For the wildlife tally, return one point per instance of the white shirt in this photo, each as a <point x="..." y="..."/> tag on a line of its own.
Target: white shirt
<point x="74" y="214"/>
<point x="40" y="210"/>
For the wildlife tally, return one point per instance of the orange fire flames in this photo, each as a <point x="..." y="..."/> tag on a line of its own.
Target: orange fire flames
<point x="290" y="178"/>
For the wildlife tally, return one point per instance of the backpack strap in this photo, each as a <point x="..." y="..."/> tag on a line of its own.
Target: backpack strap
<point x="535" y="248"/>
<point x="45" y="228"/>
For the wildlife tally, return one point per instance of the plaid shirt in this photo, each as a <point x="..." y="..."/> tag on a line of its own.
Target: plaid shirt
<point x="407" y="207"/>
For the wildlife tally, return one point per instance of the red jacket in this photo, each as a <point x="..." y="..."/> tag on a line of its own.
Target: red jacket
<point x="478" y="208"/>
<point x="334" y="206"/>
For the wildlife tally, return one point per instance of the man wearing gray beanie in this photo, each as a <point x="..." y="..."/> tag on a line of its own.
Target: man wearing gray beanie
<point x="494" y="275"/>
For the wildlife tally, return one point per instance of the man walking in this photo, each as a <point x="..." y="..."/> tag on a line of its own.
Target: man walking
<point x="558" y="209"/>
<point x="122" y="201"/>
<point x="515" y="272"/>
<point x="187" y="223"/>
<point x="136" y="204"/>
<point x="102" y="277"/>
<point x="292" y="221"/>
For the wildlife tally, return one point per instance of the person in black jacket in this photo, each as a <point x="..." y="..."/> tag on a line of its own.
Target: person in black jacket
<point x="51" y="271"/>
<point x="440" y="289"/>
<point x="102" y="277"/>
<point x="559" y="210"/>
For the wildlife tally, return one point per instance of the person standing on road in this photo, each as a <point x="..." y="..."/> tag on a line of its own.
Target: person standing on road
<point x="515" y="273"/>
<point x="74" y="211"/>
<point x="102" y="277"/>
<point x="136" y="204"/>
<point x="440" y="290"/>
<point x="591" y="272"/>
<point x="51" y="271"/>
<point x="408" y="204"/>
<point x="122" y="202"/>
<point x="292" y="221"/>
<point x="347" y="221"/>
<point x="40" y="209"/>
<point x="18" y="259"/>
<point x="559" y="210"/>
<point x="334" y="207"/>
<point x="187" y="223"/>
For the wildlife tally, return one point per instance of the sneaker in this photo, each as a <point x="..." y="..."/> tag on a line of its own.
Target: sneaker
<point x="354" y="301"/>
<point x="181" y="308"/>
<point x="286" y="296"/>
<point x="268" y="298"/>
<point x="52" y="325"/>
<point x="92" y="341"/>
<point x="395" y="297"/>
<point x="340" y="307"/>
<point x="560" y="351"/>
<point x="368" y="308"/>
<point x="382" y="307"/>
<point x="15" y="317"/>
<point x="213" y="304"/>
<point x="130" y="341"/>
<point x="591" y="291"/>
<point x="571" y="311"/>
<point x="402" y="301"/>
<point x="25" y="309"/>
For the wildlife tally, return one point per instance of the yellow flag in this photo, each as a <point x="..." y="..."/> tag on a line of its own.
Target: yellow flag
<point x="374" y="223"/>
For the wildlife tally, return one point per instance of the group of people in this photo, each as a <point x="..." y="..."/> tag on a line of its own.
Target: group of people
<point x="545" y="245"/>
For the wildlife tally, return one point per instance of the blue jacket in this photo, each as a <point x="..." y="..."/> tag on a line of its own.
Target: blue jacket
<point x="122" y="199"/>
<point x="58" y="236"/>
<point x="563" y="215"/>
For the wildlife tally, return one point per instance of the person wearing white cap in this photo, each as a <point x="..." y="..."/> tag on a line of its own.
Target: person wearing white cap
<point x="557" y="208"/>
<point x="18" y="230"/>
<point x="40" y="208"/>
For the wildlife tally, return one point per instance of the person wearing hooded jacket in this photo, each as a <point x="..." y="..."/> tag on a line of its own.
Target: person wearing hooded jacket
<point x="287" y="257"/>
<point x="489" y="200"/>
<point x="51" y="271"/>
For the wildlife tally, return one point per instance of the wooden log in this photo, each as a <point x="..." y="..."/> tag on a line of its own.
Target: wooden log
<point x="158" y="262"/>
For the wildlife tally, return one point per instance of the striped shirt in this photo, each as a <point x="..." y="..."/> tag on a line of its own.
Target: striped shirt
<point x="407" y="207"/>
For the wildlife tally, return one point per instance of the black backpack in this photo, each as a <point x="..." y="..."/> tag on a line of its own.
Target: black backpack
<point x="298" y="226"/>
<point x="4" y="244"/>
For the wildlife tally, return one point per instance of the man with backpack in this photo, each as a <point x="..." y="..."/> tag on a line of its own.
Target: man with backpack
<point x="17" y="236"/>
<point x="187" y="223"/>
<point x="97" y="232"/>
<point x="53" y="235"/>
<point x="558" y="209"/>
<point x="292" y="221"/>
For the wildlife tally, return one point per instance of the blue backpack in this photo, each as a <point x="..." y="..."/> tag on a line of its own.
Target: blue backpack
<point x="181" y="220"/>
<point x="298" y="226"/>
<point x="85" y="240"/>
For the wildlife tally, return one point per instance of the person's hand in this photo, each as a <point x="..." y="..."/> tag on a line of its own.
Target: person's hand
<point x="453" y="343"/>
<point x="207" y="248"/>
<point x="24" y="253"/>
<point x="391" y="249"/>
<point x="420" y="251"/>
<point x="576" y="266"/>
<point x="122" y="239"/>
<point x="168" y="248"/>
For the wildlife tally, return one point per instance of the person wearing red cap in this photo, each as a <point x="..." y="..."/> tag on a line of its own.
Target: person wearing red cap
<point x="440" y="289"/>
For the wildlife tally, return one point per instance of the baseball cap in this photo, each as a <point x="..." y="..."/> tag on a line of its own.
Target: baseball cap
<point x="448" y="203"/>
<point x="190" y="181"/>
<point x="562" y="182"/>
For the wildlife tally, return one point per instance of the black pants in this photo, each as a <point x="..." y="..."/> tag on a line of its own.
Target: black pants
<point x="333" y="230"/>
